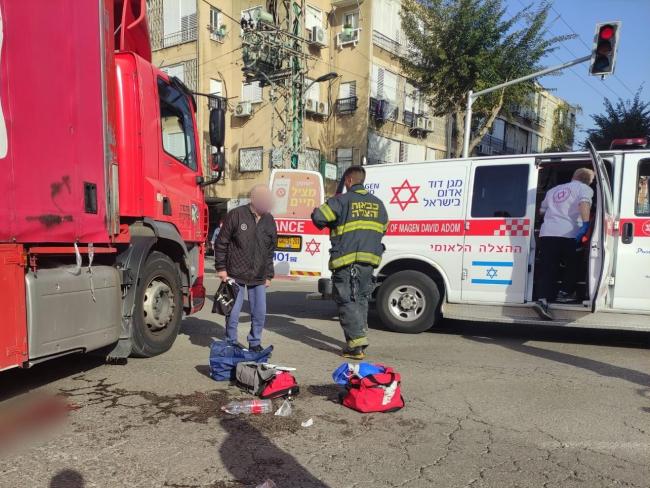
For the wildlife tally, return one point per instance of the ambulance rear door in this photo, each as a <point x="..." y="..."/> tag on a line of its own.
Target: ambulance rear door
<point x="601" y="247"/>
<point x="498" y="229"/>
<point x="302" y="249"/>
<point x="632" y="268"/>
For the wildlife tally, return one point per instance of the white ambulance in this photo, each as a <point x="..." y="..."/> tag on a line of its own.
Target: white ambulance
<point x="302" y="249"/>
<point x="462" y="240"/>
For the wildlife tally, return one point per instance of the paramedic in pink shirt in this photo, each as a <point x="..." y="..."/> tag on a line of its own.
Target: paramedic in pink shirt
<point x="566" y="210"/>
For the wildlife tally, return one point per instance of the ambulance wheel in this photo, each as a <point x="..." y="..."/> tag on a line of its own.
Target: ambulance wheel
<point x="408" y="301"/>
<point x="158" y="307"/>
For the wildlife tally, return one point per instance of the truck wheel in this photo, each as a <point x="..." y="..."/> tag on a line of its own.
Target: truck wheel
<point x="158" y="307"/>
<point x="408" y="301"/>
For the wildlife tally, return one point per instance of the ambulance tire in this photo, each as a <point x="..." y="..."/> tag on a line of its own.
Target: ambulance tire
<point x="411" y="295"/>
<point x="158" y="307"/>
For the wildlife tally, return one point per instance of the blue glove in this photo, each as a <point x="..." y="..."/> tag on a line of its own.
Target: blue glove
<point x="582" y="231"/>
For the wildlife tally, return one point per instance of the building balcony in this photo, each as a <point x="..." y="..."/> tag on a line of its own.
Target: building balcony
<point x="387" y="44"/>
<point x="348" y="37"/>
<point x="345" y="106"/>
<point x="491" y="145"/>
<point x="180" y="37"/>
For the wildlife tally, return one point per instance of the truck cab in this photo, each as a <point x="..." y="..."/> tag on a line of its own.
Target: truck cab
<point x="102" y="216"/>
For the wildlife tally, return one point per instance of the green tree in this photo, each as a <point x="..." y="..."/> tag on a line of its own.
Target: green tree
<point x="460" y="45"/>
<point x="630" y="118"/>
<point x="564" y="129"/>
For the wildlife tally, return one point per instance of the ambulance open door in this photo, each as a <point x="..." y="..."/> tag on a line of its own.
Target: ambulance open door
<point x="601" y="247"/>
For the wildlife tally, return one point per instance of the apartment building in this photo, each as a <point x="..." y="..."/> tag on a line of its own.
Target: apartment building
<point x="532" y="128"/>
<point x="369" y="114"/>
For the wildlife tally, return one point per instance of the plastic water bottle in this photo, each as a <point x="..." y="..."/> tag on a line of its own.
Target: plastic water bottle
<point x="247" y="407"/>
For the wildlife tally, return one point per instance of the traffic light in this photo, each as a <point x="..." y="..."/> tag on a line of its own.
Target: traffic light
<point x="294" y="161"/>
<point x="603" y="55"/>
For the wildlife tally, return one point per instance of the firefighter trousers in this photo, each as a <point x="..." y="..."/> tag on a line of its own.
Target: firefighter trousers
<point x="352" y="288"/>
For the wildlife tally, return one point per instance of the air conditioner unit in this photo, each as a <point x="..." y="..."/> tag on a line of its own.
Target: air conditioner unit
<point x="429" y="125"/>
<point x="243" y="109"/>
<point x="420" y="123"/>
<point x="322" y="108"/>
<point x="311" y="105"/>
<point x="316" y="36"/>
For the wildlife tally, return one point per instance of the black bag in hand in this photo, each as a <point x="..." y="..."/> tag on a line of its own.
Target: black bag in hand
<point x="225" y="297"/>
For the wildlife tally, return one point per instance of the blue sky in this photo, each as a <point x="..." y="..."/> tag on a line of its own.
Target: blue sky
<point x="633" y="59"/>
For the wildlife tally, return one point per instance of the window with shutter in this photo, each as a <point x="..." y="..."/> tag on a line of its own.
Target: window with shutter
<point x="216" y="87"/>
<point x="382" y="149"/>
<point x="348" y="89"/>
<point x="176" y="70"/>
<point x="410" y="97"/>
<point x="179" y="21"/>
<point x="343" y="159"/>
<point x="403" y="152"/>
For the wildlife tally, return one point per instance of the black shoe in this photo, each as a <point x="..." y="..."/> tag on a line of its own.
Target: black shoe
<point x="541" y="307"/>
<point x="357" y="353"/>
<point x="256" y="349"/>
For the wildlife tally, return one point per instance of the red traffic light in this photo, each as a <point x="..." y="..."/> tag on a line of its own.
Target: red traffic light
<point x="603" y="54"/>
<point x="606" y="32"/>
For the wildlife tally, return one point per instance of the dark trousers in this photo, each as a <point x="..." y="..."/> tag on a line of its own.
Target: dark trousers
<point x="553" y="251"/>
<point x="352" y="287"/>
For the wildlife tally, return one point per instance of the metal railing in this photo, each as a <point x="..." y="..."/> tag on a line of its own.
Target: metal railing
<point x="180" y="37"/>
<point x="346" y="105"/>
<point x="348" y="36"/>
<point x="390" y="45"/>
<point x="490" y="145"/>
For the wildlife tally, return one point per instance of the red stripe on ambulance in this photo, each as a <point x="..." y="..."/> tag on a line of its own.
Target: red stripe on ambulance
<point x="298" y="226"/>
<point x="425" y="228"/>
<point x="483" y="227"/>
<point x="641" y="226"/>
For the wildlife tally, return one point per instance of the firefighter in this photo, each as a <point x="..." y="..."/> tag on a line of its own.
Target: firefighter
<point x="357" y="221"/>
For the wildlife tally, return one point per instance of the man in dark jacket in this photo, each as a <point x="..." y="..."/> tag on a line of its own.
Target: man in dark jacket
<point x="244" y="253"/>
<point x="357" y="221"/>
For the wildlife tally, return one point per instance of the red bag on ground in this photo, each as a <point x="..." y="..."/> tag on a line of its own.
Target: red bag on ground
<point x="281" y="385"/>
<point x="375" y="393"/>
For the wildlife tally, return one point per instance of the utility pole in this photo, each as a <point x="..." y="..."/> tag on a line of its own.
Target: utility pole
<point x="274" y="54"/>
<point x="472" y="96"/>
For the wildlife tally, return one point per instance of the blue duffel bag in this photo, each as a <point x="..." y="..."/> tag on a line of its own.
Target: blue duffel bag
<point x="224" y="358"/>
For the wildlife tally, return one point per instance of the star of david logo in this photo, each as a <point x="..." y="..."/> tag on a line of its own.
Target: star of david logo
<point x="491" y="273"/>
<point x="397" y="194"/>
<point x="313" y="247"/>
<point x="646" y="228"/>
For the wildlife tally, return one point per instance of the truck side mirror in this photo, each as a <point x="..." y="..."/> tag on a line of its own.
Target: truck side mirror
<point x="217" y="127"/>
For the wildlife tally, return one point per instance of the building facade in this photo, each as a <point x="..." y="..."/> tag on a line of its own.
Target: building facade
<point x="546" y="123"/>
<point x="369" y="114"/>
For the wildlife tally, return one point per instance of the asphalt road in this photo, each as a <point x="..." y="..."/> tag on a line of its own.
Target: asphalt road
<point x="487" y="406"/>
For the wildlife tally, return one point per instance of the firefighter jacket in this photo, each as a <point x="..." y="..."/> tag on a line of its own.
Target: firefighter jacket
<point x="357" y="221"/>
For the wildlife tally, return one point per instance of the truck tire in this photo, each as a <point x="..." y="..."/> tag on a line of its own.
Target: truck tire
<point x="408" y="302"/>
<point x="158" y="307"/>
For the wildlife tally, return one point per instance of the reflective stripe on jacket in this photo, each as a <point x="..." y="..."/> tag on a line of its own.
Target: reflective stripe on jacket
<point x="357" y="221"/>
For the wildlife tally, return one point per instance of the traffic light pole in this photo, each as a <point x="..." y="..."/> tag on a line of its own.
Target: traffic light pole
<point x="471" y="96"/>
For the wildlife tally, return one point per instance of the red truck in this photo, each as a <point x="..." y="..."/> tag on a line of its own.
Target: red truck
<point x="102" y="213"/>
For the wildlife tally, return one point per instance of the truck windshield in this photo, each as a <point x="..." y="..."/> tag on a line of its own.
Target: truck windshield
<point x="176" y="124"/>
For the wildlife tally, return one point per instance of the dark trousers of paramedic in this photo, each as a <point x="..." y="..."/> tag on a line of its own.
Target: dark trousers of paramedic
<point x="553" y="251"/>
<point x="352" y="287"/>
